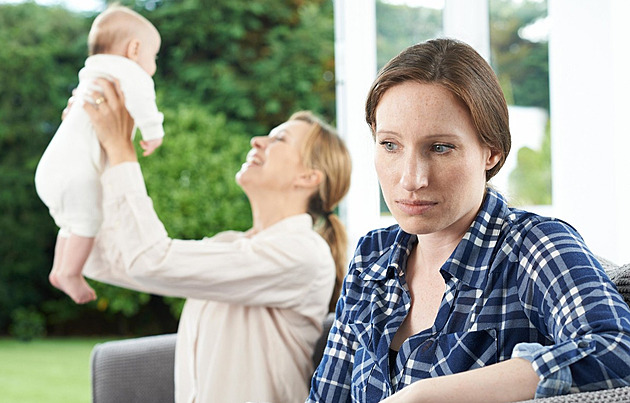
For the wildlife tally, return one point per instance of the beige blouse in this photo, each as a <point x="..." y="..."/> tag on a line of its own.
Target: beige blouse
<point x="254" y="305"/>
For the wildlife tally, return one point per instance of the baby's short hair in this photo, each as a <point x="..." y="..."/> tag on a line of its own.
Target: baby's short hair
<point x="114" y="26"/>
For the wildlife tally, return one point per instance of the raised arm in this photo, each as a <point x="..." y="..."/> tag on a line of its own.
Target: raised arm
<point x="112" y="123"/>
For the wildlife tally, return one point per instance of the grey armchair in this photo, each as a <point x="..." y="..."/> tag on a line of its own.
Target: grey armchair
<point x="134" y="370"/>
<point x="142" y="369"/>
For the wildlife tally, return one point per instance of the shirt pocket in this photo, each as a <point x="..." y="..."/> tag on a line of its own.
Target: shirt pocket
<point x="453" y="353"/>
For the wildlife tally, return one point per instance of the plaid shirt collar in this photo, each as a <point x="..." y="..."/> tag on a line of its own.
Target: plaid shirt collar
<point x="482" y="236"/>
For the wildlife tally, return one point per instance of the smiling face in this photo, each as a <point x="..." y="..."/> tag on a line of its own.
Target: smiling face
<point x="275" y="161"/>
<point x="429" y="160"/>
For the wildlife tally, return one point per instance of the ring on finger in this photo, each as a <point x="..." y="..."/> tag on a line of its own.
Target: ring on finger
<point x="99" y="100"/>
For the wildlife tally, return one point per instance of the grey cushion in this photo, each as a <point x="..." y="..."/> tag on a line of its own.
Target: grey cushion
<point x="134" y="370"/>
<point x="620" y="275"/>
<point x="600" y="396"/>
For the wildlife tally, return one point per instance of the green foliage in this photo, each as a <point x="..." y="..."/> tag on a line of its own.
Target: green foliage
<point x="256" y="62"/>
<point x="399" y="26"/>
<point x="521" y="65"/>
<point x="27" y="324"/>
<point x="228" y="69"/>
<point x="41" y="53"/>
<point x="191" y="176"/>
<point x="530" y="181"/>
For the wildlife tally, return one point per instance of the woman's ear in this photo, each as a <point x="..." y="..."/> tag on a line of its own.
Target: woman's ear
<point x="494" y="156"/>
<point x="133" y="49"/>
<point x="311" y="178"/>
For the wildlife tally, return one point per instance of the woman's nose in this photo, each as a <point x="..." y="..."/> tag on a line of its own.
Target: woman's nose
<point x="258" y="142"/>
<point x="415" y="174"/>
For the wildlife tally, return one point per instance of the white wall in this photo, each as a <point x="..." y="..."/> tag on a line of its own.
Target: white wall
<point x="589" y="86"/>
<point x="355" y="69"/>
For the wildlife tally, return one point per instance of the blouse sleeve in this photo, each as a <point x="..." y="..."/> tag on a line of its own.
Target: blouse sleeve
<point x="578" y="308"/>
<point x="133" y="250"/>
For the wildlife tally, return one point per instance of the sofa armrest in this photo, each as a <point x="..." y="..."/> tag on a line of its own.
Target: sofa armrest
<point x="134" y="370"/>
<point x="600" y="396"/>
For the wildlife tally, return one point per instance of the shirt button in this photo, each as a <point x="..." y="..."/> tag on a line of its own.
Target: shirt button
<point x="583" y="344"/>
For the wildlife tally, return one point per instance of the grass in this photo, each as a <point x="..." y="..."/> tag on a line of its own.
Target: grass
<point x="47" y="370"/>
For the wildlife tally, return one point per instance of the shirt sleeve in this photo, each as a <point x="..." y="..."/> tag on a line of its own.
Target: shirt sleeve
<point x="133" y="250"/>
<point x="577" y="306"/>
<point x="332" y="379"/>
<point x="140" y="101"/>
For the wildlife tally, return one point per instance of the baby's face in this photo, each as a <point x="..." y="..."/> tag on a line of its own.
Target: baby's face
<point x="149" y="48"/>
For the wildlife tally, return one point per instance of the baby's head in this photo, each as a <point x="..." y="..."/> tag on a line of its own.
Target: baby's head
<point x="121" y="31"/>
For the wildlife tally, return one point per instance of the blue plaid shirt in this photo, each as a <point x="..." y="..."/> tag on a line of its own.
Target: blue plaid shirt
<point x="518" y="284"/>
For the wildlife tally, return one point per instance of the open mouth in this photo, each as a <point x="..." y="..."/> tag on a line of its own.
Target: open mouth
<point x="253" y="159"/>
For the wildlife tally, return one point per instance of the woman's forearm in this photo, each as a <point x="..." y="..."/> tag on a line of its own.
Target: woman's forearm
<point x="508" y="381"/>
<point x="119" y="153"/>
<point x="112" y="123"/>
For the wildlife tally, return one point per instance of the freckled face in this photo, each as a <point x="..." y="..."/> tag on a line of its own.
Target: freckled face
<point x="430" y="163"/>
<point x="275" y="160"/>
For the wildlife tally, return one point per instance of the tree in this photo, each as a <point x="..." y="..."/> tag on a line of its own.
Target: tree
<point x="399" y="26"/>
<point x="42" y="50"/>
<point x="521" y="65"/>
<point x="256" y="62"/>
<point x="530" y="181"/>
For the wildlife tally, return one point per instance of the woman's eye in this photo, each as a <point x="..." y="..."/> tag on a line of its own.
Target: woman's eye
<point x="388" y="145"/>
<point x="441" y="148"/>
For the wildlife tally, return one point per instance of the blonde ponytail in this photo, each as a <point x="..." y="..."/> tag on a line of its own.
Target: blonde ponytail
<point x="325" y="151"/>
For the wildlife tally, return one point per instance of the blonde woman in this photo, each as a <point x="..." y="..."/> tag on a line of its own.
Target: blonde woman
<point x="255" y="299"/>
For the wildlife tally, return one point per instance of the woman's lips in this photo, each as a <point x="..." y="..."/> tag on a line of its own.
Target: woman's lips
<point x="415" y="207"/>
<point x="253" y="159"/>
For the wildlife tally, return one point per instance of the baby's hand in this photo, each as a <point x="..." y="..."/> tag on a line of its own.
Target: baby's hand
<point x="150" y="145"/>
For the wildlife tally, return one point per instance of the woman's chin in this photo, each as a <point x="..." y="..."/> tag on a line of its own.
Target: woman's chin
<point x="244" y="176"/>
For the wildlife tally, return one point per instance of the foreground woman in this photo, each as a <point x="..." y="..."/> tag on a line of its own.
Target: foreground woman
<point x="466" y="299"/>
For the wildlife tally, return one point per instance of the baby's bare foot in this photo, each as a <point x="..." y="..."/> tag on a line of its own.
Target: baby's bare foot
<point x="75" y="286"/>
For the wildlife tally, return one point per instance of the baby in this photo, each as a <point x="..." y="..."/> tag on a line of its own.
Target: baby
<point x="122" y="45"/>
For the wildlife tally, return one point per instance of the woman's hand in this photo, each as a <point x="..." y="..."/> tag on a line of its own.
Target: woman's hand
<point x="112" y="122"/>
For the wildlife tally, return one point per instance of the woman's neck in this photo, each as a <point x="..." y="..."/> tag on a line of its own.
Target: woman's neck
<point x="272" y="210"/>
<point x="433" y="249"/>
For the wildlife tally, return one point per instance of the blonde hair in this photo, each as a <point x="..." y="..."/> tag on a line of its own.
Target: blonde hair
<point x="326" y="152"/>
<point x="114" y="28"/>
